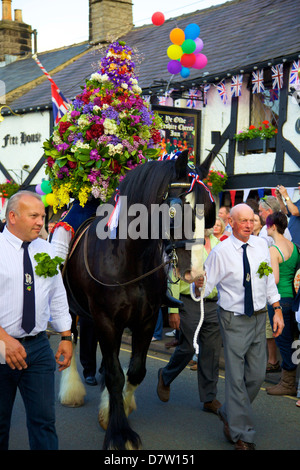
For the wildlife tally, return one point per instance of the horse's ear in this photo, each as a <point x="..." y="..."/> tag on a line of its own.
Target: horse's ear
<point x="203" y="169"/>
<point x="181" y="164"/>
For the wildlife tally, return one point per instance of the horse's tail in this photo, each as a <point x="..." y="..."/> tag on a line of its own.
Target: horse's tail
<point x="72" y="390"/>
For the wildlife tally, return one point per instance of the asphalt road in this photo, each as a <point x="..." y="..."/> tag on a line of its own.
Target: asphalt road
<point x="179" y="425"/>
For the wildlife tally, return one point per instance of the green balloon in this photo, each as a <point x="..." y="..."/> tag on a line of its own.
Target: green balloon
<point x="44" y="200"/>
<point x="46" y="187"/>
<point x="188" y="46"/>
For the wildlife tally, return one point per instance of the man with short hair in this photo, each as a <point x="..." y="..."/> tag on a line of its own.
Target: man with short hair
<point x="29" y="361"/>
<point x="267" y="206"/>
<point x="232" y="266"/>
<point x="224" y="213"/>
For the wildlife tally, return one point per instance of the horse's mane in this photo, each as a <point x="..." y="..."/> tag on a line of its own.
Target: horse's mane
<point x="148" y="183"/>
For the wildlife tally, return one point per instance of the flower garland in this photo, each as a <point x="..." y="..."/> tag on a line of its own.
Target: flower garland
<point x="108" y="130"/>
<point x="264" y="131"/>
<point x="215" y="180"/>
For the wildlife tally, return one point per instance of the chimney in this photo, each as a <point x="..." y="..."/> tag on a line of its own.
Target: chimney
<point x="6" y="10"/>
<point x="109" y="20"/>
<point x="18" y="16"/>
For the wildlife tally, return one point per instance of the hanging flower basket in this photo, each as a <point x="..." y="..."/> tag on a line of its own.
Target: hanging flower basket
<point x="216" y="180"/>
<point x="108" y="130"/>
<point x="8" y="189"/>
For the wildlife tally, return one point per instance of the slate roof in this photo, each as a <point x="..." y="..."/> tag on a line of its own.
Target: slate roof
<point x="237" y="35"/>
<point x="23" y="71"/>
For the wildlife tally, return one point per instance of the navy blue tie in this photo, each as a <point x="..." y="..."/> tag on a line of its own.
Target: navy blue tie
<point x="28" y="321"/>
<point x="247" y="283"/>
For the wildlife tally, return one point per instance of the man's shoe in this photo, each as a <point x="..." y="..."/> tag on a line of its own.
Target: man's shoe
<point x="172" y="344"/>
<point x="242" y="445"/>
<point x="91" y="380"/>
<point x="212" y="406"/>
<point x="163" y="391"/>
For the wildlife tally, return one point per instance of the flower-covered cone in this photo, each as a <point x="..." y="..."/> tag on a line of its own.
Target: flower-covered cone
<point x="108" y="130"/>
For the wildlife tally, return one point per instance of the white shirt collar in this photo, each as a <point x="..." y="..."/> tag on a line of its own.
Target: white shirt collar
<point x="12" y="239"/>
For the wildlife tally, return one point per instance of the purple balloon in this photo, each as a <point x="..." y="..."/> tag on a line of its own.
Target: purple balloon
<point x="38" y="190"/>
<point x="200" y="62"/>
<point x="199" y="45"/>
<point x="174" y="67"/>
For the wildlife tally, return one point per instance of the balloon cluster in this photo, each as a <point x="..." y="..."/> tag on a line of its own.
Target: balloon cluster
<point x="185" y="50"/>
<point x="44" y="189"/>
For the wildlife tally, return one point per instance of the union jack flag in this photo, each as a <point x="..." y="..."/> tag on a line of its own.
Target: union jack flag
<point x="236" y="85"/>
<point x="193" y="98"/>
<point x="222" y="91"/>
<point x="162" y="100"/>
<point x="294" y="77"/>
<point x="59" y="103"/>
<point x="274" y="94"/>
<point x="169" y="156"/>
<point x="277" y="76"/>
<point x="258" y="81"/>
<point x="205" y="91"/>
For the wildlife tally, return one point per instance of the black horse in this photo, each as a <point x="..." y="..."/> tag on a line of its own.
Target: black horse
<point x="121" y="281"/>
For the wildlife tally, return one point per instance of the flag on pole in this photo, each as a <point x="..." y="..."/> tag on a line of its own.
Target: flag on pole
<point x="258" y="81"/>
<point x="236" y="85"/>
<point x="59" y="102"/>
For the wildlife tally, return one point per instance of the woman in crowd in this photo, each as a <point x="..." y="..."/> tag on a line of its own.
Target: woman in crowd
<point x="284" y="260"/>
<point x="219" y="228"/>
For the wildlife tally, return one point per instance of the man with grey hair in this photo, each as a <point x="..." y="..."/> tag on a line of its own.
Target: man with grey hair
<point x="267" y="206"/>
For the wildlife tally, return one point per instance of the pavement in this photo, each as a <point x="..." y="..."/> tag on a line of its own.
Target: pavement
<point x="159" y="346"/>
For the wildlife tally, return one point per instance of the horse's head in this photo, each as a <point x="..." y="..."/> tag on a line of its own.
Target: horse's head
<point x="191" y="211"/>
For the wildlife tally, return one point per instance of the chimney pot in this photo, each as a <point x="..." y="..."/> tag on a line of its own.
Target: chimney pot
<point x="18" y="16"/>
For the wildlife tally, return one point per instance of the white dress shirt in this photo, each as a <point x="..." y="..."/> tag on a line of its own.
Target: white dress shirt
<point x="224" y="269"/>
<point x="50" y="294"/>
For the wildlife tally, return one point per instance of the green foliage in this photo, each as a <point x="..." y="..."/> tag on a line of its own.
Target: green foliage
<point x="264" y="269"/>
<point x="47" y="266"/>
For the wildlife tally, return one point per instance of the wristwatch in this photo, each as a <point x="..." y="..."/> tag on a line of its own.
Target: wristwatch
<point x="66" y="338"/>
<point x="278" y="308"/>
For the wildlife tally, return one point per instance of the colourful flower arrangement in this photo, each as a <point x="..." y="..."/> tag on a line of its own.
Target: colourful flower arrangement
<point x="264" y="131"/>
<point x="215" y="180"/>
<point x="108" y="130"/>
<point x="8" y="189"/>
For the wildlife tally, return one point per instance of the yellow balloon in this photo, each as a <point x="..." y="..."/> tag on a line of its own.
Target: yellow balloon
<point x="50" y="199"/>
<point x="177" y="36"/>
<point x="174" y="52"/>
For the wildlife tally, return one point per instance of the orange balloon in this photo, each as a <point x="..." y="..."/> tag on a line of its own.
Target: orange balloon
<point x="177" y="36"/>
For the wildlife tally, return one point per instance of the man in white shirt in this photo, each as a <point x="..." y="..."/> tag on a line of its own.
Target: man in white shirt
<point x="244" y="338"/>
<point x="28" y="362"/>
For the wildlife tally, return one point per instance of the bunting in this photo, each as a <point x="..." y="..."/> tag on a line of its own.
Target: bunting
<point x="193" y="98"/>
<point x="205" y="91"/>
<point x="222" y="91"/>
<point x="277" y="76"/>
<point x="236" y="85"/>
<point x="258" y="81"/>
<point x="294" y="77"/>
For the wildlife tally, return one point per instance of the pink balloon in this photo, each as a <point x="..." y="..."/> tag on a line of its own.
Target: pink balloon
<point x="200" y="62"/>
<point x="199" y="45"/>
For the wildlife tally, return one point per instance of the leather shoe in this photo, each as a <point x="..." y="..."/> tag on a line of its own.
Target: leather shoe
<point x="212" y="406"/>
<point x="225" y="427"/>
<point x="163" y="391"/>
<point x="172" y="344"/>
<point x="242" y="445"/>
<point x="90" y="380"/>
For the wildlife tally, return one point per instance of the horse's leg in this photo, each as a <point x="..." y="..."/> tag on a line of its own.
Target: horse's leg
<point x="112" y="416"/>
<point x="71" y="389"/>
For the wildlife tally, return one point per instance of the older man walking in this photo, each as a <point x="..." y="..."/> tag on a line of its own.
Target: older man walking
<point x="233" y="267"/>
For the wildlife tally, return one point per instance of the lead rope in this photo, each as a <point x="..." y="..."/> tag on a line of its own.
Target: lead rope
<point x="201" y="300"/>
